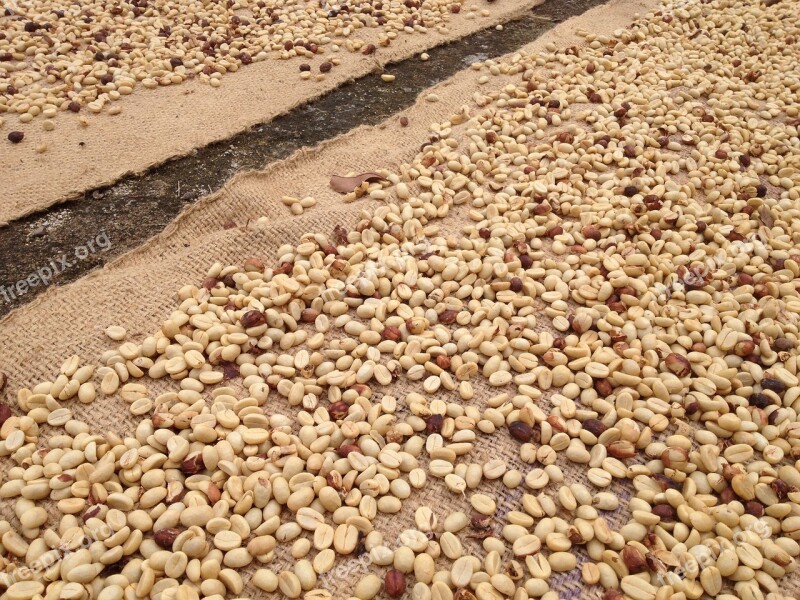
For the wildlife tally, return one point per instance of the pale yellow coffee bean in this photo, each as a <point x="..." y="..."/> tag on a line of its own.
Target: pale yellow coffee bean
<point x="455" y="522"/>
<point x="289" y="584"/>
<point x="483" y="504"/>
<point x="461" y="571"/>
<point x="562" y="561"/>
<point x="368" y="587"/>
<point x="526" y="544"/>
<point x="324" y="561"/>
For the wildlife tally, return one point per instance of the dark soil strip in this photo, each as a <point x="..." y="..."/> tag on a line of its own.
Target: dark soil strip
<point x="60" y="244"/>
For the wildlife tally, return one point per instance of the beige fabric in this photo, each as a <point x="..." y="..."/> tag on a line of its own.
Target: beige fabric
<point x="156" y="125"/>
<point x="138" y="290"/>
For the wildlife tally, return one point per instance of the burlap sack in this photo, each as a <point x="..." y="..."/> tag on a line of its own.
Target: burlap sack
<point x="137" y="291"/>
<point x="156" y="125"/>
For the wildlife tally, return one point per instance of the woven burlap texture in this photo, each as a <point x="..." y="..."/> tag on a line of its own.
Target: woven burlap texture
<point x="157" y="125"/>
<point x="138" y="290"/>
